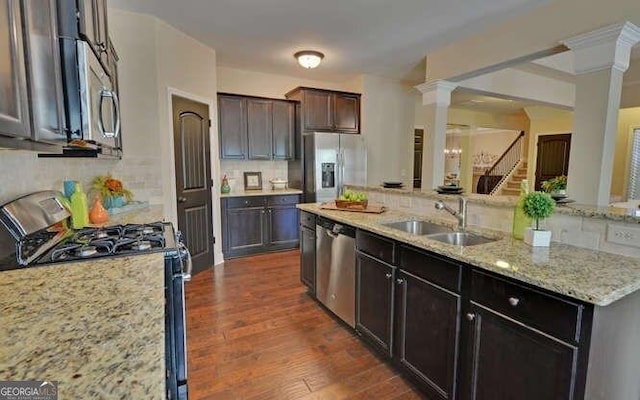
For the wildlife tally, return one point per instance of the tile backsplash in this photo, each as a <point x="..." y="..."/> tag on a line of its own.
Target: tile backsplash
<point x="234" y="170"/>
<point x="23" y="172"/>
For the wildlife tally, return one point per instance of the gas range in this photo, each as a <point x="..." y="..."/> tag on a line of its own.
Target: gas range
<point x="35" y="243"/>
<point x="110" y="241"/>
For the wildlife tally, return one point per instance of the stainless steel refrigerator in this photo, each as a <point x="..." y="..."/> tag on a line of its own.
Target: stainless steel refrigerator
<point x="331" y="161"/>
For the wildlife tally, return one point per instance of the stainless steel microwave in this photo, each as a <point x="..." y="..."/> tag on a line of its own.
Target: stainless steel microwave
<point x="100" y="109"/>
<point x="91" y="103"/>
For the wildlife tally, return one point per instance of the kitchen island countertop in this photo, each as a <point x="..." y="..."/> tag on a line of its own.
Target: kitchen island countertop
<point x="592" y="276"/>
<point x="96" y="327"/>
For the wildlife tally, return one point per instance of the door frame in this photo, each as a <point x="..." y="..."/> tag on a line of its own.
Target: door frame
<point x="170" y="186"/>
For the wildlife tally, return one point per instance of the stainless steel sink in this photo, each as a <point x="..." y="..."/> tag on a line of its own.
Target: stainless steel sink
<point x="461" y="238"/>
<point x="416" y="227"/>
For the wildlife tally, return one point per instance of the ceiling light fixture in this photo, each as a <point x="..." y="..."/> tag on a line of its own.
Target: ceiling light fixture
<point x="309" y="58"/>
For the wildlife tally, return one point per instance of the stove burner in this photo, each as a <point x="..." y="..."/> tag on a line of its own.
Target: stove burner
<point x="72" y="251"/>
<point x="86" y="251"/>
<point x="142" y="245"/>
<point x="86" y="235"/>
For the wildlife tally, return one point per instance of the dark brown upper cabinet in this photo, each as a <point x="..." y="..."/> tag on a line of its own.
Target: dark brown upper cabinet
<point x="284" y="116"/>
<point x="232" y="121"/>
<point x="32" y="106"/>
<point x="326" y="110"/>
<point x="253" y="128"/>
<point x="259" y="128"/>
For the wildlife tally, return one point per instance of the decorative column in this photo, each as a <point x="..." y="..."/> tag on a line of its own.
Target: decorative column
<point x="601" y="58"/>
<point x="436" y="98"/>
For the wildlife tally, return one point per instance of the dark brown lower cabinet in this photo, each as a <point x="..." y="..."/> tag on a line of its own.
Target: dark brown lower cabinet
<point x="427" y="335"/>
<point x="459" y="332"/>
<point x="283" y="227"/>
<point x="308" y="258"/>
<point x="374" y="302"/>
<point x="244" y="233"/>
<point x="507" y="360"/>
<point x="259" y="224"/>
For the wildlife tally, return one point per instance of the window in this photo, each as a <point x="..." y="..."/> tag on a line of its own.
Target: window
<point x="634" y="167"/>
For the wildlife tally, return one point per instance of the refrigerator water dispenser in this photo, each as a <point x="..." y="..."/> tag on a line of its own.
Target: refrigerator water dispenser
<point x="328" y="175"/>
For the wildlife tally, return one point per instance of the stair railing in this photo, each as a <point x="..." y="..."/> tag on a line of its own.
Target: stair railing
<point x="502" y="168"/>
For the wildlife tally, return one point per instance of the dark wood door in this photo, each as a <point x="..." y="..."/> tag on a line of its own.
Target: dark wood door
<point x="374" y="301"/>
<point x="318" y="111"/>
<point x="346" y="113"/>
<point x="428" y="334"/>
<point x="14" y="106"/>
<point x="506" y="360"/>
<point x="245" y="231"/>
<point x="283" y="130"/>
<point x="553" y="157"/>
<point x="232" y="120"/>
<point x="193" y="178"/>
<point x="283" y="226"/>
<point x="259" y="129"/>
<point x="308" y="258"/>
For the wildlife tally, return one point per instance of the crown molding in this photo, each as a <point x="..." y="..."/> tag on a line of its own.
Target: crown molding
<point x="437" y="92"/>
<point x="608" y="47"/>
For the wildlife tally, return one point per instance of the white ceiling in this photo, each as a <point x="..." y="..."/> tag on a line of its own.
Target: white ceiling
<point x="469" y="100"/>
<point x="382" y="37"/>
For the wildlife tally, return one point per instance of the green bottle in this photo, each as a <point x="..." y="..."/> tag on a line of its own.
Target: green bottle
<point x="520" y="220"/>
<point x="79" y="208"/>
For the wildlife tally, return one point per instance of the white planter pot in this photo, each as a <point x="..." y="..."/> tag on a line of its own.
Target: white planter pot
<point x="536" y="238"/>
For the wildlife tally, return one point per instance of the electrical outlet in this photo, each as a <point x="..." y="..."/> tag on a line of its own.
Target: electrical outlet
<point x="622" y="234"/>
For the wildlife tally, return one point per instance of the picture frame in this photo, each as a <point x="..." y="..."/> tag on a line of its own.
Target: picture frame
<point x="253" y="181"/>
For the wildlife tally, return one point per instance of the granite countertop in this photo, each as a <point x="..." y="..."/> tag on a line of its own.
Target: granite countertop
<point x="630" y="215"/>
<point x="592" y="276"/>
<point x="265" y="192"/>
<point x="96" y="327"/>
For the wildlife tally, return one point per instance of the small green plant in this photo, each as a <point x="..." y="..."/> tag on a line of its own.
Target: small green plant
<point x="537" y="206"/>
<point x="555" y="184"/>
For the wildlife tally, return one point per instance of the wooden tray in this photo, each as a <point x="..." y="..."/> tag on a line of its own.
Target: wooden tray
<point x="371" y="208"/>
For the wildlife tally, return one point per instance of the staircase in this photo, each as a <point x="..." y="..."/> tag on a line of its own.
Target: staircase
<point x="512" y="186"/>
<point x="508" y="171"/>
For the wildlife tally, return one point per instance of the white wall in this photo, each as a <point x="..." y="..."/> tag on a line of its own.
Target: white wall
<point x="524" y="85"/>
<point x="388" y="124"/>
<point x="156" y="61"/>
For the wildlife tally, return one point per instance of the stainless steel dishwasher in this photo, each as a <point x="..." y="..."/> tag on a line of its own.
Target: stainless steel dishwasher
<point x="336" y="268"/>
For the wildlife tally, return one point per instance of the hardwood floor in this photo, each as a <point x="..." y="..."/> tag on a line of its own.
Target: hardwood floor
<point x="254" y="333"/>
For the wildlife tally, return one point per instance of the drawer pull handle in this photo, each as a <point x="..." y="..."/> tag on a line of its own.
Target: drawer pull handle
<point x="471" y="316"/>
<point x="387" y="275"/>
<point x="514" y="301"/>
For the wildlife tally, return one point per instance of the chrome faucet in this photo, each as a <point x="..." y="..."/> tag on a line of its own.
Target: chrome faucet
<point x="460" y="214"/>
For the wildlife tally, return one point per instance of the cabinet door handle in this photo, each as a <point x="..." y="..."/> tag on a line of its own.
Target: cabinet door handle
<point x="514" y="301"/>
<point x="400" y="281"/>
<point x="387" y="275"/>
<point x="471" y="316"/>
<point x="182" y="199"/>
